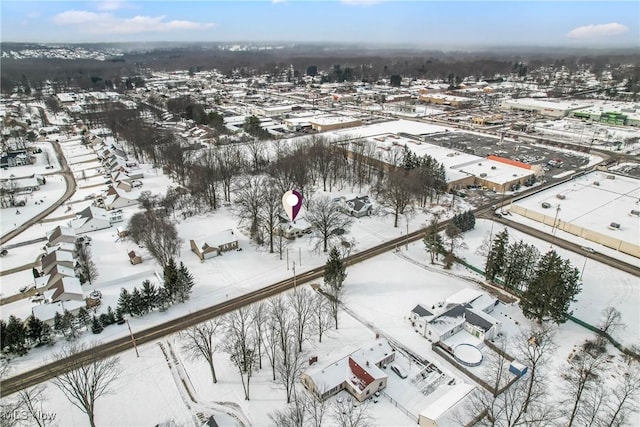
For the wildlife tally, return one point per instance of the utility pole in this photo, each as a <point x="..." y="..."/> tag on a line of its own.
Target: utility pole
<point x="294" y="276"/>
<point x="583" y="266"/>
<point x="133" y="340"/>
<point x="407" y="244"/>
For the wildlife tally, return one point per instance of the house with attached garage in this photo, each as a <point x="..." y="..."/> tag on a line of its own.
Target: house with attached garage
<point x="360" y="372"/>
<point x="119" y="199"/>
<point x="467" y="310"/>
<point x="358" y="206"/>
<point x="214" y="245"/>
<point x="93" y="218"/>
<point x="47" y="312"/>
<point x="64" y="289"/>
<point x="61" y="234"/>
<point x="63" y="258"/>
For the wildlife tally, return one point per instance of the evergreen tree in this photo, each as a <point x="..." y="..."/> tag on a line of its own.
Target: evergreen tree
<point x="16" y="336"/>
<point x="124" y="302"/>
<point x="454" y="234"/>
<point x="104" y="319"/>
<point x="334" y="271"/>
<point x="433" y="240"/>
<point x="470" y="220"/>
<point x="69" y="321"/>
<point x="164" y="299"/>
<point x="551" y="290"/>
<point x="35" y="330"/>
<point x="46" y="337"/>
<point x="184" y="283"/>
<point x="111" y="315"/>
<point x="119" y="316"/>
<point x="58" y="323"/>
<point x="3" y="334"/>
<point x="171" y="279"/>
<point x="83" y="317"/>
<point x="96" y="326"/>
<point x="137" y="304"/>
<point x="520" y="263"/>
<point x="496" y="258"/>
<point x="149" y="296"/>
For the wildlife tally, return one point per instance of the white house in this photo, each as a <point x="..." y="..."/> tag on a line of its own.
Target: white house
<point x="357" y="206"/>
<point x="465" y="310"/>
<point x="119" y="200"/>
<point x="293" y="229"/>
<point x="65" y="289"/>
<point x="90" y="219"/>
<point x="61" y="234"/>
<point x="359" y="372"/>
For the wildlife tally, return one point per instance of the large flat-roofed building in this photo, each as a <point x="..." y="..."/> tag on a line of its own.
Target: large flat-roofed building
<point x="610" y="112"/>
<point x="444" y="99"/>
<point x="546" y="107"/>
<point x="599" y="206"/>
<point x="327" y="123"/>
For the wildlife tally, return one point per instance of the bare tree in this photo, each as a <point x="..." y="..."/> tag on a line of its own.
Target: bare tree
<point x="346" y="414"/>
<point x="534" y="348"/>
<point x="270" y="343"/>
<point x="88" y="269"/>
<point x="316" y="409"/>
<point x="325" y="216"/>
<point x="322" y="157"/>
<point x="31" y="400"/>
<point x="397" y="192"/>
<point x="623" y="397"/>
<point x="157" y="233"/>
<point x="611" y="321"/>
<point x="229" y="160"/>
<point x="199" y="342"/>
<point x="583" y="373"/>
<point x="256" y="149"/>
<point x="240" y="344"/>
<point x="290" y="363"/>
<point x="84" y="383"/>
<point x="269" y="212"/>
<point x="260" y="317"/>
<point x="281" y="314"/>
<point x="455" y="242"/>
<point x="301" y="302"/>
<point x="321" y="315"/>
<point x="293" y="415"/>
<point x="250" y="198"/>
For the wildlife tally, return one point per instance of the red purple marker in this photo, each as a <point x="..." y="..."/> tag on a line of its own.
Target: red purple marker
<point x="292" y="202"/>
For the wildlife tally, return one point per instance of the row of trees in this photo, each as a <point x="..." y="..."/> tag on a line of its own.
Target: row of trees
<point x="547" y="284"/>
<point x="18" y="337"/>
<point x="274" y="331"/>
<point x="177" y="287"/>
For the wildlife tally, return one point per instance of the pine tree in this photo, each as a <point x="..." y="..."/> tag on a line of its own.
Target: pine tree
<point x="433" y="241"/>
<point x="3" y="334"/>
<point x="470" y="220"/>
<point x="111" y="315"/>
<point x="185" y="283"/>
<point x="551" y="290"/>
<point x="104" y="319"/>
<point x="496" y="258"/>
<point x="119" y="316"/>
<point x="96" y="326"/>
<point x="83" y="317"/>
<point x="58" y="323"/>
<point x="124" y="302"/>
<point x="69" y="321"/>
<point x="334" y="271"/>
<point x="137" y="304"/>
<point x="34" y="330"/>
<point x="149" y="295"/>
<point x="171" y="279"/>
<point x="164" y="299"/>
<point x="46" y="338"/>
<point x="16" y="336"/>
<point x="520" y="263"/>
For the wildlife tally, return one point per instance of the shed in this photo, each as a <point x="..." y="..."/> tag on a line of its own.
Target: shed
<point x="517" y="368"/>
<point x="134" y="258"/>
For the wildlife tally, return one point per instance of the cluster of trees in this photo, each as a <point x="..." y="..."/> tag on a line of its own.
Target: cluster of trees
<point x="547" y="284"/>
<point x="273" y="331"/>
<point x="595" y="388"/>
<point x="465" y="221"/>
<point x="153" y="228"/>
<point x="85" y="267"/>
<point x="448" y="245"/>
<point x="252" y="127"/>
<point x="18" y="337"/>
<point x="177" y="287"/>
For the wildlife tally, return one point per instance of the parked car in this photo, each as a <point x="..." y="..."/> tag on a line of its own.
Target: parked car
<point x="3" y="252"/>
<point x="588" y="249"/>
<point x="49" y="167"/>
<point x="399" y="371"/>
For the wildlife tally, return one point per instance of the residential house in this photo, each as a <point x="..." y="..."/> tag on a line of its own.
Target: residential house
<point x="20" y="184"/>
<point x="47" y="312"/>
<point x="359" y="373"/>
<point x="61" y="234"/>
<point x="214" y="245"/>
<point x="64" y="289"/>
<point x="59" y="271"/>
<point x="119" y="200"/>
<point x="15" y="158"/>
<point x="90" y="219"/>
<point x="357" y="206"/>
<point x="51" y="259"/>
<point x="466" y="310"/>
<point x="293" y="229"/>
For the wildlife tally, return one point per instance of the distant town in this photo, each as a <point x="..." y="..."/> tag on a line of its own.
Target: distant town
<point x="465" y="250"/>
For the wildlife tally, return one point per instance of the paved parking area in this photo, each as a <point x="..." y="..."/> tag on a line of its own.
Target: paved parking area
<point x="483" y="145"/>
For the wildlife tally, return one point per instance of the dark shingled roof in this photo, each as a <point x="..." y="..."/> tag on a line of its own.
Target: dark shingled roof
<point x="477" y="320"/>
<point x="421" y="311"/>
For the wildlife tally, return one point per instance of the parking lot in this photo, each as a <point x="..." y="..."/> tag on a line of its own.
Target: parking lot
<point x="482" y="145"/>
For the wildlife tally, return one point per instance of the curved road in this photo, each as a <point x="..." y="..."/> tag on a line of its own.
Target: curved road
<point x="71" y="188"/>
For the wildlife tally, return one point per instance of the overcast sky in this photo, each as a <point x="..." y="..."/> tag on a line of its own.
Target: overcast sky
<point x="436" y="24"/>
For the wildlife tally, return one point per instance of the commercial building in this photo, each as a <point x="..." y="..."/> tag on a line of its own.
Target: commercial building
<point x="550" y="108"/>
